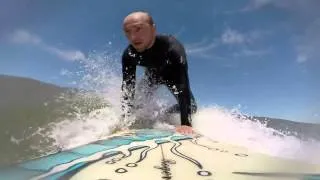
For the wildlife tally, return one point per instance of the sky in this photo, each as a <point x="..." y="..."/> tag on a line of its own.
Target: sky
<point x="259" y="55"/>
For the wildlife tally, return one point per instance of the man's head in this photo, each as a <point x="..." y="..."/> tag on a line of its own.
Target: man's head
<point x="140" y="30"/>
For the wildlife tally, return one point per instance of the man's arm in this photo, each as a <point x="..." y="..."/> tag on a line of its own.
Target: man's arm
<point x="128" y="84"/>
<point x="184" y="97"/>
<point x="181" y="90"/>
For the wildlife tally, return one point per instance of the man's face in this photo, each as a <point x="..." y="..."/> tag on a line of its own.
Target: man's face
<point x="139" y="33"/>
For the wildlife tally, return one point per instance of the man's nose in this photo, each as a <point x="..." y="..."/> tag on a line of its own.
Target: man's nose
<point x="133" y="36"/>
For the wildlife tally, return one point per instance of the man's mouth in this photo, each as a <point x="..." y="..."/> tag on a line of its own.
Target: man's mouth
<point x="137" y="43"/>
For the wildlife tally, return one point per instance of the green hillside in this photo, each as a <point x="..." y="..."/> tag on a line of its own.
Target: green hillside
<point x="28" y="104"/>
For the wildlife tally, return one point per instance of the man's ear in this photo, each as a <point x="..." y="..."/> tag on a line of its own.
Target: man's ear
<point x="154" y="28"/>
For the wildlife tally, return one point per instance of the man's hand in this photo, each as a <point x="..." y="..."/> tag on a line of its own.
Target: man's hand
<point x="184" y="130"/>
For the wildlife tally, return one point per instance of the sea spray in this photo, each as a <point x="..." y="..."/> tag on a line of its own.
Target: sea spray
<point x="224" y="125"/>
<point x="100" y="74"/>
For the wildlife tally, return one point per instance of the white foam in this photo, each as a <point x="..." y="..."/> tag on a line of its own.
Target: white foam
<point x="88" y="128"/>
<point x="224" y="125"/>
<point x="101" y="73"/>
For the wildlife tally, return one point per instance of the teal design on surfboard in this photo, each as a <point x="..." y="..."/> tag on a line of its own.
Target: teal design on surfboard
<point x="40" y="166"/>
<point x="155" y="154"/>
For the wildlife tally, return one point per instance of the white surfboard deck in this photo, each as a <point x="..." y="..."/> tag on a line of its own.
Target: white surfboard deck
<point x="161" y="155"/>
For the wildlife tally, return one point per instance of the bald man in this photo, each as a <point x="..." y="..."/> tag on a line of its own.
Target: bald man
<point x="165" y="61"/>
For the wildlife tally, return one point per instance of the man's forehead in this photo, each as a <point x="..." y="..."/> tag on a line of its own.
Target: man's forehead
<point x="134" y="24"/>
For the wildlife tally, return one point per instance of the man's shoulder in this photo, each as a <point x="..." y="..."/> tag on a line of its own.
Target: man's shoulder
<point x="169" y="38"/>
<point x="172" y="43"/>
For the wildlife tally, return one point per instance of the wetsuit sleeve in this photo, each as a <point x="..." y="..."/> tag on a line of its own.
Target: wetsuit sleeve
<point x="128" y="84"/>
<point x="181" y="87"/>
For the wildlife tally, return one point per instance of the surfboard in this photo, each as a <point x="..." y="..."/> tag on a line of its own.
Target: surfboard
<point x="160" y="155"/>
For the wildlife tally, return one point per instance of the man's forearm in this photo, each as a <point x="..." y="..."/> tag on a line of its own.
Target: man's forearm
<point x="185" y="108"/>
<point x="126" y="97"/>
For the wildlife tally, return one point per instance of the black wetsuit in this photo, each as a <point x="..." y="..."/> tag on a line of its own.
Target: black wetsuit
<point x="165" y="63"/>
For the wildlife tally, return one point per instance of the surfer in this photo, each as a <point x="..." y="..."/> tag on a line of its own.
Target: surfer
<point x="165" y="60"/>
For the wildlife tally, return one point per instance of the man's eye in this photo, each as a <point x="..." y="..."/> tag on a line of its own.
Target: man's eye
<point x="138" y="29"/>
<point x="126" y="31"/>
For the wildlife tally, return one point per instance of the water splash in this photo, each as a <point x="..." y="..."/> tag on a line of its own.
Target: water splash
<point x="100" y="74"/>
<point x="230" y="126"/>
<point x="98" y="77"/>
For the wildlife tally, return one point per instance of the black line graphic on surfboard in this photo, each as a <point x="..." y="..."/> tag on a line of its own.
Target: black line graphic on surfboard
<point x="105" y="156"/>
<point x="195" y="141"/>
<point x="115" y="160"/>
<point x="118" y="155"/>
<point x="175" y="151"/>
<point x="143" y="155"/>
<point x="73" y="172"/>
<point x="165" y="166"/>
